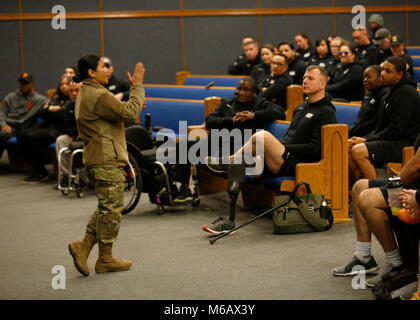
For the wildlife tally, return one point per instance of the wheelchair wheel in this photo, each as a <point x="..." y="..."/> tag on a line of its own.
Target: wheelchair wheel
<point x="132" y="185"/>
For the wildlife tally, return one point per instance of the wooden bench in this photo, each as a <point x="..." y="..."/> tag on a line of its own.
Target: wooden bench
<point x="328" y="176"/>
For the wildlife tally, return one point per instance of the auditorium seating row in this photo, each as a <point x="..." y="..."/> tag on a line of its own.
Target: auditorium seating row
<point x="168" y="105"/>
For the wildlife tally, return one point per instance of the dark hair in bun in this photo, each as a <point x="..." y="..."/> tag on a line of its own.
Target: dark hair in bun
<point x="86" y="62"/>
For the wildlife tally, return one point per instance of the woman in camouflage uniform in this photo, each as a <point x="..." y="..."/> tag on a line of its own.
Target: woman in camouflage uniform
<point x="101" y="122"/>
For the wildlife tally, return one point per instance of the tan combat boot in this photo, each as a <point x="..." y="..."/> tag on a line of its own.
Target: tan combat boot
<point x="80" y="250"/>
<point x="107" y="263"/>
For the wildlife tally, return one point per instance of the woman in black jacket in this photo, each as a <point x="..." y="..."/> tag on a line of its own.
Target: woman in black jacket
<point x="322" y="56"/>
<point x="346" y="83"/>
<point x="261" y="70"/>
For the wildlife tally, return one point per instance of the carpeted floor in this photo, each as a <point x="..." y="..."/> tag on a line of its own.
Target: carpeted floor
<point x="172" y="258"/>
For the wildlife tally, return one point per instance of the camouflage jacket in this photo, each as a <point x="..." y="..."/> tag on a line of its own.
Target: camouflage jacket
<point x="101" y="122"/>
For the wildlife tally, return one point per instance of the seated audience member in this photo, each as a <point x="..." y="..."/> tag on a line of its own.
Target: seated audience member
<point x="382" y="39"/>
<point x="366" y="51"/>
<point x="335" y="45"/>
<point x="274" y="86"/>
<point x="372" y="215"/>
<point x="305" y="49"/>
<point x="19" y="109"/>
<point x="296" y="67"/>
<point x="375" y="22"/>
<point x="35" y="141"/>
<point x="70" y="128"/>
<point x="301" y="143"/>
<point x="346" y="82"/>
<point x="372" y="104"/>
<point x="245" y="111"/>
<point x="398" y="124"/>
<point x="398" y="50"/>
<point x="261" y="70"/>
<point x="119" y="87"/>
<point x="69" y="71"/>
<point x="322" y="56"/>
<point x="244" y="63"/>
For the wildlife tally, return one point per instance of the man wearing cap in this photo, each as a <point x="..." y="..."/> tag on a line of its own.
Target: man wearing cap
<point x="375" y="22"/>
<point x="119" y="87"/>
<point x="366" y="51"/>
<point x="382" y="39"/>
<point x="398" y="49"/>
<point x="19" y="109"/>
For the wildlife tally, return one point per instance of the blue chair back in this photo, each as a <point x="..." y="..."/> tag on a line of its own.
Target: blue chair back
<point x="168" y="113"/>
<point x="180" y="92"/>
<point x="416" y="75"/>
<point x="346" y="114"/>
<point x="413" y="51"/>
<point x="277" y="129"/>
<point x="217" y="81"/>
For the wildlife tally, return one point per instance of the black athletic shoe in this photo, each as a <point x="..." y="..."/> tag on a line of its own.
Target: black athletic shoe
<point x="348" y="270"/>
<point x="389" y="271"/>
<point x="183" y="196"/>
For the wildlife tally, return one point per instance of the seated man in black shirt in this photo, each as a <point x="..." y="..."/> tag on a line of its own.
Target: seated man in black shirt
<point x="274" y="86"/>
<point x="382" y="39"/>
<point x="398" y="50"/>
<point x="398" y="124"/>
<point x="301" y="143"/>
<point x="372" y="104"/>
<point x="246" y="111"/>
<point x="296" y="67"/>
<point x="119" y="87"/>
<point x="244" y="63"/>
<point x="366" y="51"/>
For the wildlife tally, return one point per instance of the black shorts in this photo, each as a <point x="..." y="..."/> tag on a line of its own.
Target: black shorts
<point x="383" y="151"/>
<point x="408" y="235"/>
<point x="287" y="169"/>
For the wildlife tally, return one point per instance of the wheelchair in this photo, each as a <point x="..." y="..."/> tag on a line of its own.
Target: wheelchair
<point x="73" y="180"/>
<point x="148" y="175"/>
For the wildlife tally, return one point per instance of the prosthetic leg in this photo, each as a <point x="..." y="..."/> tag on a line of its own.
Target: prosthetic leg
<point x="236" y="176"/>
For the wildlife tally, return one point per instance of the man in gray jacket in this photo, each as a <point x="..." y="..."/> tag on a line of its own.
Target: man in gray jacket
<point x="19" y="109"/>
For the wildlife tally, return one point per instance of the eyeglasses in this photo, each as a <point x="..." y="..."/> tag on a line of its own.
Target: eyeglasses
<point x="344" y="53"/>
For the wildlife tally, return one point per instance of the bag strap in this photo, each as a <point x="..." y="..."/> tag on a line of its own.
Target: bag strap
<point x="293" y="195"/>
<point x="330" y="218"/>
<point x="317" y="223"/>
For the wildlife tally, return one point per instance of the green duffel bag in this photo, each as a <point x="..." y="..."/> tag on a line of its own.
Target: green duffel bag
<point x="303" y="213"/>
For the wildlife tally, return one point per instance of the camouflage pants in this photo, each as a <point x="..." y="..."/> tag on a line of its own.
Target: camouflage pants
<point x="109" y="187"/>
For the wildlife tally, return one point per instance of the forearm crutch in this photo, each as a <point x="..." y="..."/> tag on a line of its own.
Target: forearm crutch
<point x="212" y="241"/>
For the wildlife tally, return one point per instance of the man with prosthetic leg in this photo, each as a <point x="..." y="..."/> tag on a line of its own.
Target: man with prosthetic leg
<point x="272" y="157"/>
